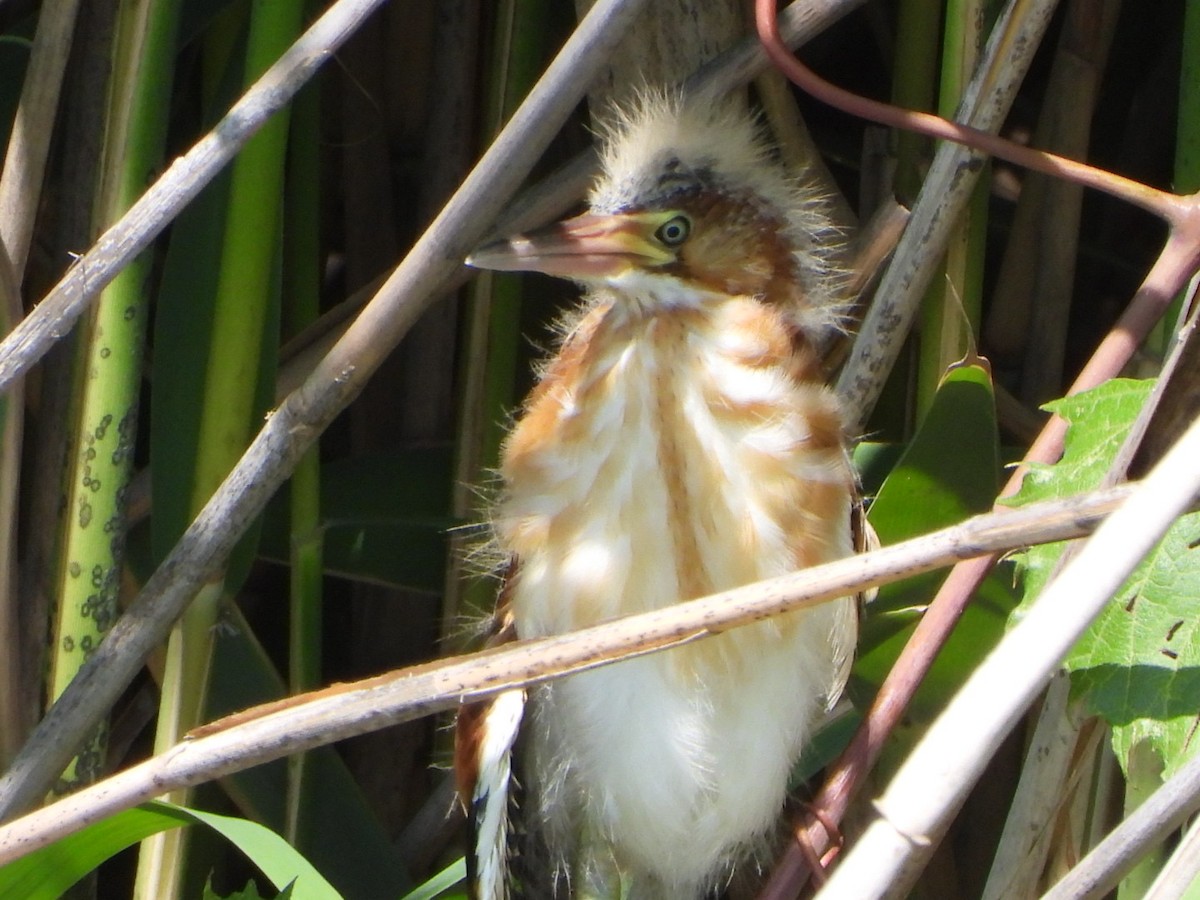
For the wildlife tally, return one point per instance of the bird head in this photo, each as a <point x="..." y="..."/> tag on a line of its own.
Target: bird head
<point x="690" y="205"/>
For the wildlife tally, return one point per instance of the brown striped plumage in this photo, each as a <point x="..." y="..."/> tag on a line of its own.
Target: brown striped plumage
<point x="681" y="442"/>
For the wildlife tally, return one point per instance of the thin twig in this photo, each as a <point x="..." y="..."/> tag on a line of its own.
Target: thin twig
<point x="1147" y="826"/>
<point x="967" y="135"/>
<point x="301" y="723"/>
<point x="33" y="128"/>
<point x="13" y="708"/>
<point x="1179" y="876"/>
<point x="943" y="195"/>
<point x="1017" y="865"/>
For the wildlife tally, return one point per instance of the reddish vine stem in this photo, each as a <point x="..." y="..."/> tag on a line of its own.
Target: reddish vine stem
<point x="1179" y="258"/>
<point x="1160" y="203"/>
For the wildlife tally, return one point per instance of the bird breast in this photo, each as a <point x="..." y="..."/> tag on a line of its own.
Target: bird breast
<point x="660" y="458"/>
<point x="668" y="456"/>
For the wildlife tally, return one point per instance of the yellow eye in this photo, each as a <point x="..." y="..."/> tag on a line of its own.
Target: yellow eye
<point x="674" y="231"/>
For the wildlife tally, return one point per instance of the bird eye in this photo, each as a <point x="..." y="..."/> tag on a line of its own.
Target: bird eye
<point x="674" y="231"/>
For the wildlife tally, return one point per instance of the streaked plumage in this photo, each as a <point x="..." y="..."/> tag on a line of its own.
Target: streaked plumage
<point x="681" y="442"/>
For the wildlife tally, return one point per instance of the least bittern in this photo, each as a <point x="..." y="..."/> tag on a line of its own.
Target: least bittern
<point x="682" y="441"/>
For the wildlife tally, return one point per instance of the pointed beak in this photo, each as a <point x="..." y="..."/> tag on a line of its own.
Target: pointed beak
<point x="586" y="248"/>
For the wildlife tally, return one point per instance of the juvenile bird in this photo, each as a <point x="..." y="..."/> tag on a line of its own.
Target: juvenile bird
<point x="681" y="442"/>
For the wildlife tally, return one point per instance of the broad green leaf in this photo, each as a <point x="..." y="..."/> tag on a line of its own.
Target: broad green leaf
<point x="947" y="473"/>
<point x="950" y="469"/>
<point x="198" y="424"/>
<point x="228" y="384"/>
<point x="978" y="630"/>
<point x="1099" y="421"/>
<point x="873" y="462"/>
<point x="1138" y="666"/>
<point x="45" y="874"/>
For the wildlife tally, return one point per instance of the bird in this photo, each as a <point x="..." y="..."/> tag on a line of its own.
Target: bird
<point x="682" y="440"/>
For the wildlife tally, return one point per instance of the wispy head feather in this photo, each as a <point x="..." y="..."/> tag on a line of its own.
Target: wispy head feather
<point x="663" y="143"/>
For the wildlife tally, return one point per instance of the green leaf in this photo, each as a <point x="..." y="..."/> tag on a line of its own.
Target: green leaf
<point x="274" y="857"/>
<point x="873" y="462"/>
<point x="949" y="472"/>
<point x="1099" y="419"/>
<point x="199" y="426"/>
<point x="1099" y="422"/>
<point x="1138" y="666"/>
<point x="48" y="872"/>
<point x="951" y="468"/>
<point x="453" y="874"/>
<point x="182" y="334"/>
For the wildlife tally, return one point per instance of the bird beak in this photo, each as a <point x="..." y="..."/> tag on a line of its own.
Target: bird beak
<point x="586" y="248"/>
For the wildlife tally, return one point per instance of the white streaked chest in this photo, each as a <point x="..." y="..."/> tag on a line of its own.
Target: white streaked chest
<point x="678" y="457"/>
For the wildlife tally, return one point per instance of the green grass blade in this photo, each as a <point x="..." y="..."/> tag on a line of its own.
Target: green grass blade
<point x="914" y="87"/>
<point x="47" y="873"/>
<point x="951" y="308"/>
<point x="110" y="378"/>
<point x="453" y="874"/>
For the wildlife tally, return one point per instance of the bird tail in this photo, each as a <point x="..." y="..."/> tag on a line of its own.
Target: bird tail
<point x="485" y="734"/>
